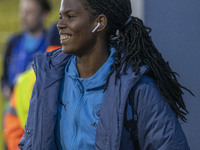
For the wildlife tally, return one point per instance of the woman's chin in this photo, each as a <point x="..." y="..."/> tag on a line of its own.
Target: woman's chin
<point x="66" y="50"/>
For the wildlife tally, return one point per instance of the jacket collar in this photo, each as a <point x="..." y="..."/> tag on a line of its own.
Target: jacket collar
<point x="52" y="64"/>
<point x="55" y="70"/>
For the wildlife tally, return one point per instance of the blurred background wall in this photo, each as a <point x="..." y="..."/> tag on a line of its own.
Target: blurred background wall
<point x="9" y="24"/>
<point x="176" y="33"/>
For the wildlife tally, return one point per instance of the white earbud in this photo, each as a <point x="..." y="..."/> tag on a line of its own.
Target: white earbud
<point x="98" y="25"/>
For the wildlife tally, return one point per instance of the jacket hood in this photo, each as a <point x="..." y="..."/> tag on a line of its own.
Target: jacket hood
<point x="52" y="64"/>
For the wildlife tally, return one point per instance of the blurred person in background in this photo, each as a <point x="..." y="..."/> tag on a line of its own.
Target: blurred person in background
<point x="53" y="38"/>
<point x="14" y="121"/>
<point x="23" y="46"/>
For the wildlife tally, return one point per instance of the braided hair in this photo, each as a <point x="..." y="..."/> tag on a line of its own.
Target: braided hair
<point x="134" y="42"/>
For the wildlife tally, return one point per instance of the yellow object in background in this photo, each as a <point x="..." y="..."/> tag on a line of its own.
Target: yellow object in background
<point x="23" y="91"/>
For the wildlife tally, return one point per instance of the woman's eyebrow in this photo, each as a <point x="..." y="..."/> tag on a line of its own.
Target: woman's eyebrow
<point x="67" y="11"/>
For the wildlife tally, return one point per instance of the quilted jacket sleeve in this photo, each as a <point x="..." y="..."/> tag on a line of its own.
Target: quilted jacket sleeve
<point x="158" y="126"/>
<point x="26" y="140"/>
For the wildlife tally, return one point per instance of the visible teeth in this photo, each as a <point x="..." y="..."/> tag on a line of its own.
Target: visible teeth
<point x="63" y="37"/>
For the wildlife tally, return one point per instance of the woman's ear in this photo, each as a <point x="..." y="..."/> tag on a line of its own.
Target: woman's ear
<point x="100" y="23"/>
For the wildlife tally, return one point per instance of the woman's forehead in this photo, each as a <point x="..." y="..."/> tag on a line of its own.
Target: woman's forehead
<point x="76" y="5"/>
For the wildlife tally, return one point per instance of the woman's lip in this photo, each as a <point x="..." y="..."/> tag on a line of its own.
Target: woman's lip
<point x="64" y="41"/>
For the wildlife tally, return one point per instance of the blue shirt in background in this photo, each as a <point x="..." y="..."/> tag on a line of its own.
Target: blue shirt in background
<point x="22" y="54"/>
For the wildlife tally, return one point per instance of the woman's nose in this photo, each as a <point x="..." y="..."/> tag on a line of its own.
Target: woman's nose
<point x="60" y="25"/>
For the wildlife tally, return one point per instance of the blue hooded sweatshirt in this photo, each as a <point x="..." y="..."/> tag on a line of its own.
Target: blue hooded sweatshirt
<point x="81" y="100"/>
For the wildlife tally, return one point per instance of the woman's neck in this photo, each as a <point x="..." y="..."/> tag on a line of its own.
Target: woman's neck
<point x="89" y="64"/>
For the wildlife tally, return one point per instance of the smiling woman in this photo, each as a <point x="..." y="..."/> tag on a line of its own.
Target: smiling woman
<point x="107" y="88"/>
<point x="77" y="38"/>
<point x="75" y="29"/>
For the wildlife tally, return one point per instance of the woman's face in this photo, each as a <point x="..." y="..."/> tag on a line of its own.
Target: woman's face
<point x="75" y="28"/>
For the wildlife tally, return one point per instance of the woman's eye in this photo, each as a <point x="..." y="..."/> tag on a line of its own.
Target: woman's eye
<point x="60" y="17"/>
<point x="70" y="16"/>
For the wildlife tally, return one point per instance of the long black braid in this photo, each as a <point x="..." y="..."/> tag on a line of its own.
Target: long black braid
<point x="134" y="42"/>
